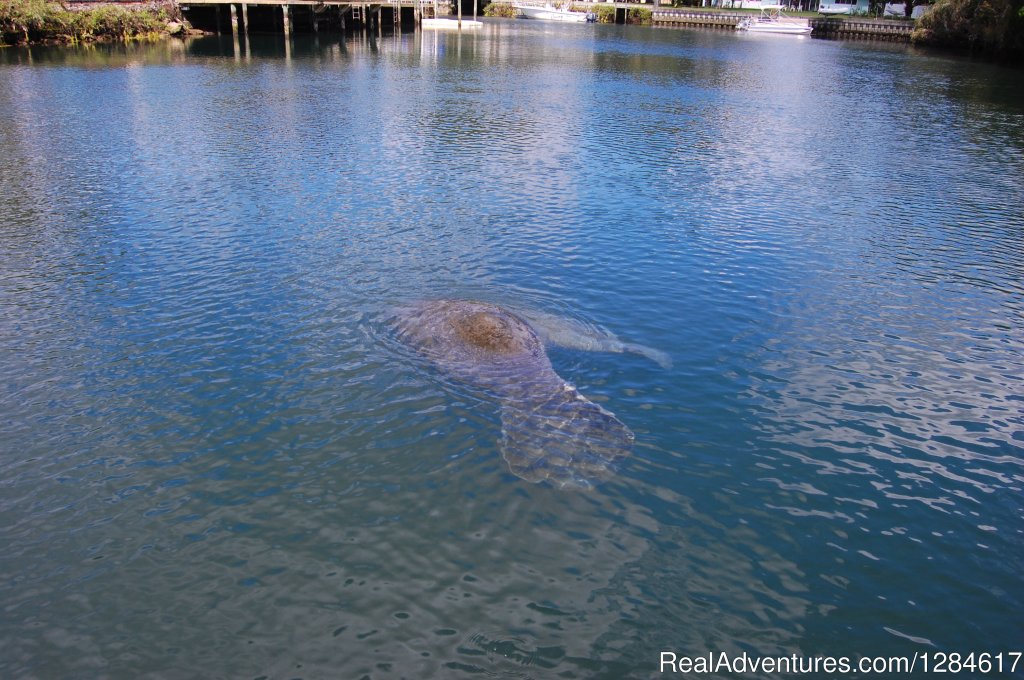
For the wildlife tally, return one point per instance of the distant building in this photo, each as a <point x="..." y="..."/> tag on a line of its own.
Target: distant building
<point x="843" y="6"/>
<point x="898" y="10"/>
<point x="801" y="5"/>
<point x="758" y="4"/>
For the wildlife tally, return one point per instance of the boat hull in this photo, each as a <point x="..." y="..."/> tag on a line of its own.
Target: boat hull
<point x="779" y="28"/>
<point x="550" y="14"/>
<point x="450" y="24"/>
<point x="772" y="20"/>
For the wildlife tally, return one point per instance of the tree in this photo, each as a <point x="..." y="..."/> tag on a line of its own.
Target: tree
<point x="992" y="26"/>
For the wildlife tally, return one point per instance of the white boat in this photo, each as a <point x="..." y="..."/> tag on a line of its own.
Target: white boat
<point x="552" y="13"/>
<point x="772" y="20"/>
<point x="450" y="24"/>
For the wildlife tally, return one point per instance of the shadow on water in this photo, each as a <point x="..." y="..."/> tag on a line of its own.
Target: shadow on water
<point x="98" y="55"/>
<point x="178" y="51"/>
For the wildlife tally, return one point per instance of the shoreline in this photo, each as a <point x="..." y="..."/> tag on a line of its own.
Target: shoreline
<point x="52" y="23"/>
<point x="29" y="23"/>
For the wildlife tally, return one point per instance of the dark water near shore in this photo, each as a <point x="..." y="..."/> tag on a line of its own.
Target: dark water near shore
<point x="216" y="461"/>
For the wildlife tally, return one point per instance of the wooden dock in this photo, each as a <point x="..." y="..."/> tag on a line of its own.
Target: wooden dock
<point x="696" y="19"/>
<point x="312" y="16"/>
<point x="304" y="16"/>
<point x="286" y="16"/>
<point x="824" y="27"/>
<point x="891" y="30"/>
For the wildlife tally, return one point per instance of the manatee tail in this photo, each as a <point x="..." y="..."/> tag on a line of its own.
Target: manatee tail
<point x="655" y="355"/>
<point x="563" y="438"/>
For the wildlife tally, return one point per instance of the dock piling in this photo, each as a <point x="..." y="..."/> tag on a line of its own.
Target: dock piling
<point x="290" y="17"/>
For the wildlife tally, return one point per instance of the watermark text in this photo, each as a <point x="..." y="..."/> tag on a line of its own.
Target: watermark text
<point x="923" y="662"/>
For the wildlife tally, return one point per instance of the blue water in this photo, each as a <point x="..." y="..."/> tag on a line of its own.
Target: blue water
<point x="218" y="461"/>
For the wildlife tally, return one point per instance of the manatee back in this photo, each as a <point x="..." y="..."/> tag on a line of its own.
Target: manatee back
<point x="479" y="342"/>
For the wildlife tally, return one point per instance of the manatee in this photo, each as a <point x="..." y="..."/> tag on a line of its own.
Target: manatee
<point x="549" y="430"/>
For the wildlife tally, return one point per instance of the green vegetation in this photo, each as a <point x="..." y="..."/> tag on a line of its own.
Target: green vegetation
<point x="32" y="21"/>
<point x="638" y="15"/>
<point x="500" y="9"/>
<point x="989" y="26"/>
<point x="605" y="14"/>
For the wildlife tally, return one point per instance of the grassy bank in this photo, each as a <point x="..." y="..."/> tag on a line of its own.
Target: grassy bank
<point x="45" y="21"/>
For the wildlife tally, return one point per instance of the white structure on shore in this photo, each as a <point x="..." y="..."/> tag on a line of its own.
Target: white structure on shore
<point x="823" y="6"/>
<point x="843" y="6"/>
<point x="899" y="10"/>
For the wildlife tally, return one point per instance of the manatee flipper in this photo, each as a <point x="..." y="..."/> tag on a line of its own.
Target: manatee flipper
<point x="656" y="355"/>
<point x="564" y="438"/>
<point x="572" y="334"/>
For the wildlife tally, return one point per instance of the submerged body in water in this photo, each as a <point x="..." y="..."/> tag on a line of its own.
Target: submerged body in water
<point x="549" y="430"/>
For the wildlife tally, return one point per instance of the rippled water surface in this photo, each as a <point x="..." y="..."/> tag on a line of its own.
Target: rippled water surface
<point x="219" y="461"/>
